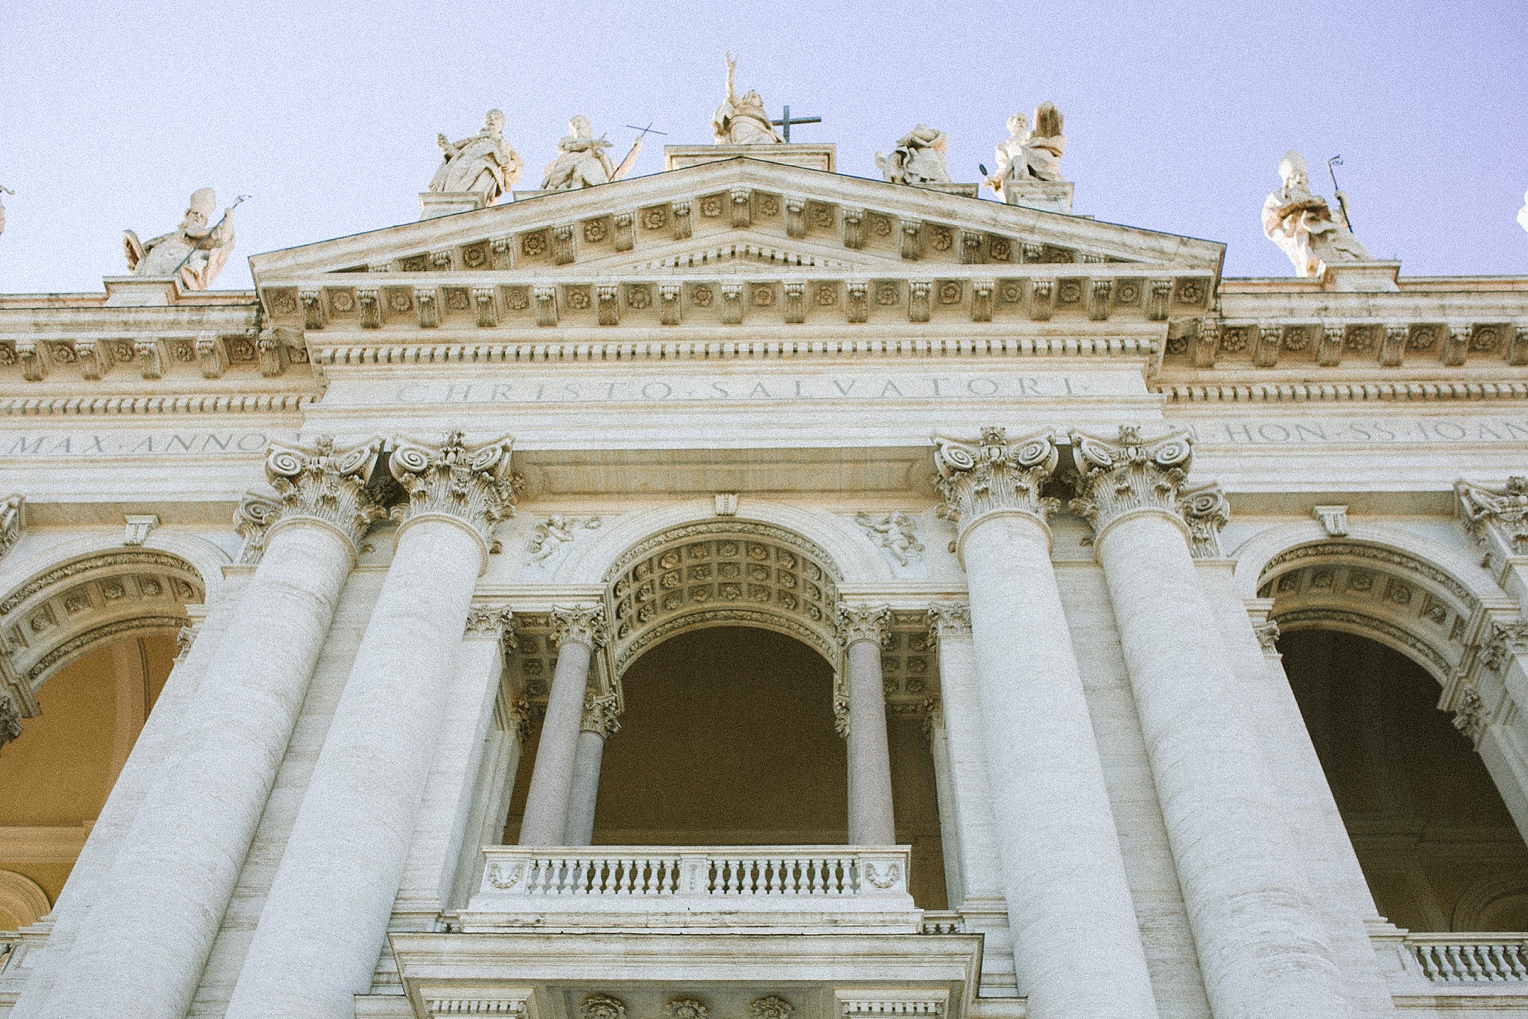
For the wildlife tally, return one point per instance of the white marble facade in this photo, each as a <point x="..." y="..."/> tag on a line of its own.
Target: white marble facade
<point x="1068" y="454"/>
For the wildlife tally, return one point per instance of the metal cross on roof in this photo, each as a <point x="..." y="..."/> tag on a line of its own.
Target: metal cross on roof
<point x="787" y="120"/>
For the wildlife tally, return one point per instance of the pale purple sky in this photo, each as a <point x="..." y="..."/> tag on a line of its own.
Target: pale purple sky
<point x="1176" y="114"/>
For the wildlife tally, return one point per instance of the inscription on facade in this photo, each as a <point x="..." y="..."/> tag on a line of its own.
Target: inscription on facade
<point x="1366" y="431"/>
<point x="136" y="443"/>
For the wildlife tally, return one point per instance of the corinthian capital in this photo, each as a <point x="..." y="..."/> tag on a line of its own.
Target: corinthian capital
<point x="1496" y="518"/>
<point x="471" y="483"/>
<point x="994" y="474"/>
<point x="580" y="624"/>
<point x="601" y="715"/>
<point x="1120" y="476"/>
<point x="863" y="622"/>
<point x="948" y="619"/>
<point x="1205" y="510"/>
<point x="318" y="481"/>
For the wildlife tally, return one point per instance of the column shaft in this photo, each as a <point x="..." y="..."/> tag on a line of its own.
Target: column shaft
<point x="1261" y="950"/>
<point x="326" y="915"/>
<point x="588" y="752"/>
<point x="870" y="810"/>
<point x="143" y="947"/>
<point x="546" y="804"/>
<point x="1077" y="944"/>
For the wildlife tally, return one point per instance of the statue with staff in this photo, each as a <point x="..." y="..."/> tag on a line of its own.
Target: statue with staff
<point x="195" y="252"/>
<point x="742" y="120"/>
<point x="581" y="160"/>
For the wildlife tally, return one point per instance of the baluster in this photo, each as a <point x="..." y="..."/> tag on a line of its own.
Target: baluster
<point x="1496" y="955"/>
<point x="650" y="874"/>
<point x="1471" y="956"/>
<point x="1515" y="967"/>
<point x="1457" y="967"/>
<point x="734" y="875"/>
<point x="814" y="876"/>
<point x="1427" y="962"/>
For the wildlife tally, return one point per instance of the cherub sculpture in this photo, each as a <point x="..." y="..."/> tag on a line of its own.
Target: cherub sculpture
<point x="483" y="164"/>
<point x="742" y="121"/>
<point x="195" y="252"/>
<point x="581" y="160"/>
<point x="897" y="533"/>
<point x="1030" y="154"/>
<point x="1303" y="224"/>
<point x="919" y="158"/>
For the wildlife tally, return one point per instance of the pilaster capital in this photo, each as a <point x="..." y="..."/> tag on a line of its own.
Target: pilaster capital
<point x="489" y="622"/>
<point x="471" y="483"/>
<point x="1497" y="518"/>
<point x="602" y="715"/>
<point x="10" y="521"/>
<point x="949" y="619"/>
<point x="1205" y="510"/>
<point x="315" y="480"/>
<point x="10" y="720"/>
<point x="579" y="624"/>
<point x="1122" y="475"/>
<point x="994" y="474"/>
<point x="863" y="623"/>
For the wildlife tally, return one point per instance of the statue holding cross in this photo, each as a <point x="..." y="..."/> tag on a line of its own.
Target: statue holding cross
<point x="742" y="120"/>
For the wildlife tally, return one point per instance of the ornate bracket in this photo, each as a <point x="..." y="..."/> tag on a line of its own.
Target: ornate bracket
<point x="1129" y="473"/>
<point x="994" y="474"/>
<point x="1496" y="518"/>
<point x="471" y="483"/>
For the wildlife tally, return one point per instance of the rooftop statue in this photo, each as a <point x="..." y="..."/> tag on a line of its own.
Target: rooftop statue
<point x="1522" y="214"/>
<point x="581" y="161"/>
<point x="1303" y="225"/>
<point x="195" y="252"/>
<point x="483" y="164"/>
<point x="919" y="158"/>
<point x="1030" y="154"/>
<point x="742" y="121"/>
<point x="2" y="207"/>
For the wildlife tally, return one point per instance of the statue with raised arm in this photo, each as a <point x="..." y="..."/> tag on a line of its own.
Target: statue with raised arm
<point x="1522" y="214"/>
<point x="581" y="160"/>
<point x="195" y="252"/>
<point x="919" y="158"/>
<point x="1030" y="154"/>
<point x="1304" y="225"/>
<point x="2" y="207"/>
<point x="483" y="164"/>
<point x="742" y="121"/>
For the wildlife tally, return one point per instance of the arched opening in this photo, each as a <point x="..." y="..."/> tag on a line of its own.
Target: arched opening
<point x="57" y="773"/>
<point x="1434" y="839"/>
<point x="85" y="649"/>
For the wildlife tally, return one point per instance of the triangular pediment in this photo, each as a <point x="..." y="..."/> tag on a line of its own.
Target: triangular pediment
<point x="616" y="246"/>
<point x="639" y="222"/>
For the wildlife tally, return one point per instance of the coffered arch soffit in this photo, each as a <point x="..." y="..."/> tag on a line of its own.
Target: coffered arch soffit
<point x="78" y="602"/>
<point x="593" y="561"/>
<point x="721" y="572"/>
<point x="1408" y="595"/>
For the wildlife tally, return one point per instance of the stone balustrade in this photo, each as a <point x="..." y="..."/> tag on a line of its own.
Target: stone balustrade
<point x="1470" y="959"/>
<point x="726" y="887"/>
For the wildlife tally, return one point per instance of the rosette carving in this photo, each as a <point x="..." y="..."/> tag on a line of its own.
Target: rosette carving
<point x="319" y="481"/>
<point x="1118" y="476"/>
<point x="581" y="624"/>
<point x="863" y="622"/>
<point x="471" y="483"/>
<point x="994" y="474"/>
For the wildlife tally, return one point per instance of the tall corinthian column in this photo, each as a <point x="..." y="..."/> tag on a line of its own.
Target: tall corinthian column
<point x="142" y="950"/>
<point x="326" y="915"/>
<point x="862" y="631"/>
<point x="1076" y="943"/>
<point x="1261" y="948"/>
<point x="601" y="721"/>
<point x="579" y="632"/>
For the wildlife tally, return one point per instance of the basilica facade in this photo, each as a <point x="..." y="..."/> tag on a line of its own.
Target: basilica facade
<point x="750" y="591"/>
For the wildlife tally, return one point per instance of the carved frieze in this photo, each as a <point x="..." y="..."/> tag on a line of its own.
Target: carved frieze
<point x="994" y="474"/>
<point x="472" y="483"/>
<point x="1120" y="475"/>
